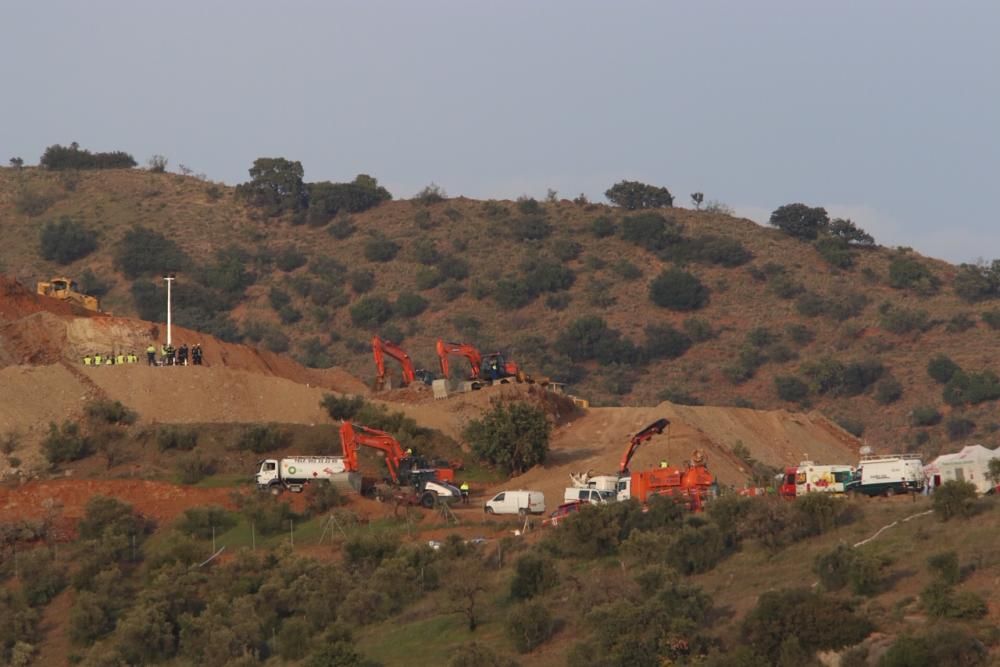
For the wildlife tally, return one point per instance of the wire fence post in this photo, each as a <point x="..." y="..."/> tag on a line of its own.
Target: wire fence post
<point x="253" y="537"/>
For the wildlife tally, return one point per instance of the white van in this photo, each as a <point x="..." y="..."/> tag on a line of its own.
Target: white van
<point x="516" y="502"/>
<point x="588" y="495"/>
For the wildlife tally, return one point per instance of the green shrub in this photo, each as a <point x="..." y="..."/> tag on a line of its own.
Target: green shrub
<point x="267" y="514"/>
<point x="566" y="250"/>
<point x="971" y="388"/>
<point x="959" y="427"/>
<point x="940" y="646"/>
<point x="380" y="249"/>
<point x="289" y="258"/>
<point x="528" y="626"/>
<point x="110" y="412"/>
<point x="833" y="567"/>
<point x="836" y="251"/>
<point x="905" y="320"/>
<point x="784" y="286"/>
<point x="819" y="622"/>
<point x="342" y="228"/>
<point x="175" y="437"/>
<point x="104" y="517"/>
<point x="529" y="228"/>
<point x="512" y="435"/>
<point x="33" y="202"/>
<point x="261" y="438"/>
<point x="800" y="221"/>
<point x="665" y="342"/>
<point x="193" y="468"/>
<point x="289" y="315"/>
<point x="362" y="280"/>
<point x="800" y="334"/>
<point x="590" y="337"/>
<point x="453" y="268"/>
<point x="66" y="241"/>
<point x="791" y="388"/>
<point x="698" y="330"/>
<point x="475" y="654"/>
<point x="603" y="226"/>
<point x="991" y="318"/>
<point x="533" y="574"/>
<point x="945" y="567"/>
<point x="199" y="521"/>
<point x="143" y="251"/>
<point x="66" y="443"/>
<point x="342" y="407"/>
<point x="925" y="415"/>
<point x="558" y="301"/>
<point x="651" y="231"/>
<point x="58" y="157"/>
<point x="276" y="341"/>
<point x="632" y="195"/>
<point x="888" y="391"/>
<point x="855" y="427"/>
<point x="906" y="272"/>
<point x="371" y="311"/>
<point x="677" y="289"/>
<point x="41" y="578"/>
<point x="529" y="205"/>
<point x="321" y="497"/>
<point x="626" y="270"/>
<point x="959" y="323"/>
<point x="314" y="353"/>
<point x="275" y="186"/>
<point x="955" y="499"/>
<point x="708" y="249"/>
<point x="679" y="396"/>
<point x="408" y="304"/>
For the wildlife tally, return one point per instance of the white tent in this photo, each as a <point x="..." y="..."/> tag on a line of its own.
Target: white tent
<point x="969" y="465"/>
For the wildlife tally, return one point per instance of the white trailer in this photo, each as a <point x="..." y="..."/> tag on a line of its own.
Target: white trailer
<point x="294" y="472"/>
<point x="890" y="474"/>
<point x="516" y="502"/>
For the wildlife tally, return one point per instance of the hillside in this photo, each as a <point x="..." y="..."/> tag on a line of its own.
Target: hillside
<point x="751" y="331"/>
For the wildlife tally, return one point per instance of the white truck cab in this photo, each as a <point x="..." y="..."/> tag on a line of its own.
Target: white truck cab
<point x="588" y="495"/>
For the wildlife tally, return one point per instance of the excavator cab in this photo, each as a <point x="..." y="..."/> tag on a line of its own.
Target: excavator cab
<point x="496" y="367"/>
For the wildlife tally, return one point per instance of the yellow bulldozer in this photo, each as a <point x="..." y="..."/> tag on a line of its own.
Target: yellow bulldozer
<point x="66" y="289"/>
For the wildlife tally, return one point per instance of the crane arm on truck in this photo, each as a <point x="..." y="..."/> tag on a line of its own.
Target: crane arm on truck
<point x="642" y="436"/>
<point x="380" y="348"/>
<point x="464" y="349"/>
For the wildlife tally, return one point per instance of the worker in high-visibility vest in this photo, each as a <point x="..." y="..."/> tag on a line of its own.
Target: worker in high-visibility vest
<point x="120" y="359"/>
<point x="151" y="355"/>
<point x="664" y="464"/>
<point x="98" y="359"/>
<point x="465" y="492"/>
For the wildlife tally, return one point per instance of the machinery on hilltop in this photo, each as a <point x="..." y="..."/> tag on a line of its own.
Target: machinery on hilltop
<point x="493" y="366"/>
<point x="66" y="289"/>
<point x="380" y="348"/>
<point x="429" y="484"/>
<point x="693" y="484"/>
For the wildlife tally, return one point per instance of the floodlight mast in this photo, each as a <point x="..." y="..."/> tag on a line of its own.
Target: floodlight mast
<point x="169" y="278"/>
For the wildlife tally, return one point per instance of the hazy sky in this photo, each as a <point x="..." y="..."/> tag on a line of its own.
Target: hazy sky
<point x="885" y="112"/>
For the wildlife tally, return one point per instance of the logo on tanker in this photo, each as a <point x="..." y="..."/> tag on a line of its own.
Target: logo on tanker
<point x="291" y="470"/>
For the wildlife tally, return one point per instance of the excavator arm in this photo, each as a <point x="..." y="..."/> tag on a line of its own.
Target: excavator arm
<point x="464" y="349"/>
<point x="352" y="437"/>
<point x="642" y="436"/>
<point x="380" y="348"/>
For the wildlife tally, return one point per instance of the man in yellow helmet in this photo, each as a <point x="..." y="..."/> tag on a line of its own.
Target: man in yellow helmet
<point x="465" y="492"/>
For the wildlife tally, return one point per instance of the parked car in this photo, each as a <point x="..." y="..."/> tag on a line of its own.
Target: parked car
<point x="516" y="502"/>
<point x="563" y="511"/>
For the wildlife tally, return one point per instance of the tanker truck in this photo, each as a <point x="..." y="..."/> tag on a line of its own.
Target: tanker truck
<point x="294" y="472"/>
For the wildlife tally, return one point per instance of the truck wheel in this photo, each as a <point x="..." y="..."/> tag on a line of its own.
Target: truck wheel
<point x="275" y="490"/>
<point x="427" y="500"/>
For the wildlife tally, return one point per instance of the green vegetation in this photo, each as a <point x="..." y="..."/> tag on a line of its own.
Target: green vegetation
<point x="66" y="241"/>
<point x="632" y="195"/>
<point x="677" y="289"/>
<point x="513" y="435"/>
<point x="275" y="186"/>
<point x="145" y="252"/>
<point x="955" y="499"/>
<point x="58" y="158"/>
<point x="800" y="221"/>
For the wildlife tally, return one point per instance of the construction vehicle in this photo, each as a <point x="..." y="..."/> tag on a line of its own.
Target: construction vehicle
<point x="694" y="484"/>
<point x="380" y="348"/>
<point x="491" y="367"/>
<point x="889" y="475"/>
<point x="429" y="484"/>
<point x="66" y="289"/>
<point x="293" y="473"/>
<point x="468" y="351"/>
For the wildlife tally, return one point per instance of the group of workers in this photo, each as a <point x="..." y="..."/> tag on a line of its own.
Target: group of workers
<point x="171" y="356"/>
<point x="168" y="356"/>
<point x="110" y="359"/>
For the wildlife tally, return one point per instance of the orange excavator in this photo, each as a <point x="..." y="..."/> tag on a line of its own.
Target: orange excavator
<point x="464" y="349"/>
<point x="492" y="366"/>
<point x="694" y="483"/>
<point x="429" y="483"/>
<point x="380" y="348"/>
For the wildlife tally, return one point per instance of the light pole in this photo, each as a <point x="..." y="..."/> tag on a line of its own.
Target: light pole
<point x="169" y="279"/>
